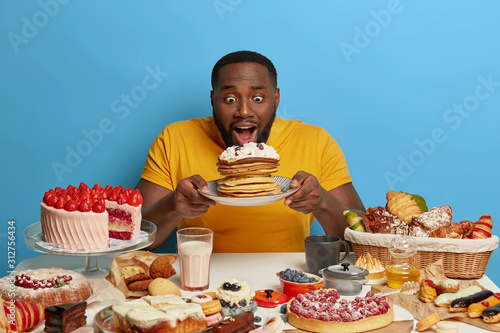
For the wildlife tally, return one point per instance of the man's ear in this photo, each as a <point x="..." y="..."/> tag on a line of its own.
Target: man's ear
<point x="277" y="98"/>
<point x="212" y="98"/>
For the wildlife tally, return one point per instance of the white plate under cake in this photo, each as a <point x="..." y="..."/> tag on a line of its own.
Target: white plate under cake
<point x="323" y="311"/>
<point x="284" y="182"/>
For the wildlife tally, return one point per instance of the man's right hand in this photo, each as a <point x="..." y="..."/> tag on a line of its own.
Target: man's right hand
<point x="189" y="202"/>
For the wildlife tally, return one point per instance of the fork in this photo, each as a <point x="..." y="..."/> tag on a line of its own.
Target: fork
<point x="408" y="288"/>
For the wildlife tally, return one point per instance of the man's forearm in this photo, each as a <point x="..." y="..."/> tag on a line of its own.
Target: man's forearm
<point x="330" y="215"/>
<point x="164" y="216"/>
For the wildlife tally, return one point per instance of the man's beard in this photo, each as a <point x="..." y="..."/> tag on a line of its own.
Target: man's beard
<point x="227" y="136"/>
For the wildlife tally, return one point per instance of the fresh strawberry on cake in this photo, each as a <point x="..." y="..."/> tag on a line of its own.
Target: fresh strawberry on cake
<point x="84" y="218"/>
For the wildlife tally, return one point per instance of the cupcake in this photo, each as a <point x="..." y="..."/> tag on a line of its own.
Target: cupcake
<point x="236" y="297"/>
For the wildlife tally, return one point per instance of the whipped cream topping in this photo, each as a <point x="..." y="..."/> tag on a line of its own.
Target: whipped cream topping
<point x="250" y="149"/>
<point x="235" y="296"/>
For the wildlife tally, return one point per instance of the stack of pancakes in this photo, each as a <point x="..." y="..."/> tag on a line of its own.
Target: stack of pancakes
<point x="248" y="174"/>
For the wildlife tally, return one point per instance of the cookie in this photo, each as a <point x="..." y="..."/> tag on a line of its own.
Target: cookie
<point x="128" y="271"/>
<point x="162" y="267"/>
<point x="141" y="285"/>
<point x="136" y="277"/>
<point x="161" y="286"/>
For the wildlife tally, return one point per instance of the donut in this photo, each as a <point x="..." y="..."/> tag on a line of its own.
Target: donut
<point x="201" y="298"/>
<point x="69" y="286"/>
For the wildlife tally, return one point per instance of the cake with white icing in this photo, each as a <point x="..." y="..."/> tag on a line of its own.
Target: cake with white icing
<point x="166" y="314"/>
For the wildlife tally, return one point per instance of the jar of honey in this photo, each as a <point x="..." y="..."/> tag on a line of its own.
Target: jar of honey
<point x="402" y="265"/>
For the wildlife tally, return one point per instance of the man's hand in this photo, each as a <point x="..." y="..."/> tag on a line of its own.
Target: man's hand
<point x="189" y="202"/>
<point x="309" y="196"/>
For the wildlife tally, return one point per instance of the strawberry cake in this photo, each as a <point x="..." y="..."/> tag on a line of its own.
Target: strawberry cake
<point x="84" y="218"/>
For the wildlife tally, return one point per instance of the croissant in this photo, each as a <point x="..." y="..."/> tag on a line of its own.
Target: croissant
<point x="454" y="230"/>
<point x="482" y="228"/>
<point x="405" y="205"/>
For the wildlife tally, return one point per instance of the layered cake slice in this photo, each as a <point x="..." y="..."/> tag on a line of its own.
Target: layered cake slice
<point x="65" y="318"/>
<point x="84" y="218"/>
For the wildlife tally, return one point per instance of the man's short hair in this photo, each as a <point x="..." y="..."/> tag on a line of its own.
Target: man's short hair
<point x="244" y="56"/>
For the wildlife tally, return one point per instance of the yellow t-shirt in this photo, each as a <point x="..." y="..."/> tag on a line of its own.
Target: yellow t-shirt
<point x="191" y="147"/>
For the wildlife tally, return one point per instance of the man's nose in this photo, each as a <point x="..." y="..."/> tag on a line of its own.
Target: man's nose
<point x="244" y="109"/>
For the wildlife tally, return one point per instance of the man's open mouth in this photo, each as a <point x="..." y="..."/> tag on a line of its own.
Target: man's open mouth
<point x="244" y="133"/>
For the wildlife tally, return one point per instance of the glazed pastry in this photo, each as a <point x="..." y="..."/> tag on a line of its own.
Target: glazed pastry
<point x="379" y="220"/>
<point x="427" y="291"/>
<point x="475" y="310"/>
<point x="433" y="219"/>
<point x="482" y="228"/>
<point x="405" y="205"/>
<point x="492" y="314"/>
<point x="446" y="286"/>
<point x="461" y="304"/>
<point x="427" y="322"/>
<point x="444" y="300"/>
<point x="354" y="220"/>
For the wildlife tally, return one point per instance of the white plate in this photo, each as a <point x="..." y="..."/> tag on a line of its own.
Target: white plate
<point x="251" y="201"/>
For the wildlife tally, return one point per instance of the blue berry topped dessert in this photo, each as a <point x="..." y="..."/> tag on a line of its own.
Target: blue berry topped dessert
<point x="236" y="297"/>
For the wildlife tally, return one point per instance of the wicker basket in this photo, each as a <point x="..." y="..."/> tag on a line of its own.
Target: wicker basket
<point x="462" y="258"/>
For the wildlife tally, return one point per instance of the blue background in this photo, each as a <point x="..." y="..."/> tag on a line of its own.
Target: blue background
<point x="387" y="79"/>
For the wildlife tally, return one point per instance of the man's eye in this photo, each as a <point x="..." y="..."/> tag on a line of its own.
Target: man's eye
<point x="230" y="99"/>
<point x="258" y="98"/>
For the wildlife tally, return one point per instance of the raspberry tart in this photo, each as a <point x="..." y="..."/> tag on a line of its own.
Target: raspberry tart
<point x="84" y="218"/>
<point x="324" y="311"/>
<point x="46" y="286"/>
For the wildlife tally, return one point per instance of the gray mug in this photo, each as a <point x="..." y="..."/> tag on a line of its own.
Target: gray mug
<point x="323" y="251"/>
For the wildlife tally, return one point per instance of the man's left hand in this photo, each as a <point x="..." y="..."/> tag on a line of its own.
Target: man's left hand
<point x="309" y="196"/>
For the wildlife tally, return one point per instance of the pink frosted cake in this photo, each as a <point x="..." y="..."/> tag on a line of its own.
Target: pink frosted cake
<point x="84" y="218"/>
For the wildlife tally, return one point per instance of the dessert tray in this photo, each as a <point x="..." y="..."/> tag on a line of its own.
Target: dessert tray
<point x="284" y="182"/>
<point x="34" y="240"/>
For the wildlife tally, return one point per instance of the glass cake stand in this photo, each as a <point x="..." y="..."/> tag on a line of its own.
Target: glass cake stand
<point x="34" y="240"/>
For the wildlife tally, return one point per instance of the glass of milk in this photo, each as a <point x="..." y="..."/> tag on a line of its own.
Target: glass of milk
<point x="195" y="248"/>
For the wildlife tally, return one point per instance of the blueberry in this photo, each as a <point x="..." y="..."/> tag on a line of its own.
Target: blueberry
<point x="226" y="286"/>
<point x="270" y="194"/>
<point x="284" y="189"/>
<point x="235" y="287"/>
<point x="237" y="148"/>
<point x="232" y="305"/>
<point x="242" y="303"/>
<point x="223" y="303"/>
<point x="283" y="308"/>
<point x="257" y="319"/>
<point x="285" y="319"/>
